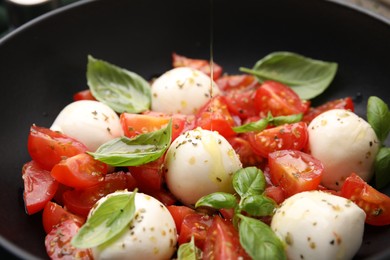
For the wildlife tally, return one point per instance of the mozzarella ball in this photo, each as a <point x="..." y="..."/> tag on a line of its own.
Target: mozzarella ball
<point x="344" y="143"/>
<point x="182" y="90"/>
<point x="319" y="225"/>
<point x="150" y="235"/>
<point x="90" y="122"/>
<point x="200" y="162"/>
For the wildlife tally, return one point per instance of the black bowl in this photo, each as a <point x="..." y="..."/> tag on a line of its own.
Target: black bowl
<point x="44" y="62"/>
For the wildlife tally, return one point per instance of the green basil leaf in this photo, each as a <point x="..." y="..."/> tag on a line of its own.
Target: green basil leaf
<point x="249" y="181"/>
<point x="135" y="151"/>
<point x="108" y="220"/>
<point x="281" y="120"/>
<point x="258" y="240"/>
<point x="120" y="89"/>
<point x="257" y="126"/>
<point x="189" y="251"/>
<point x="382" y="168"/>
<point x="306" y="76"/>
<point x="217" y="200"/>
<point x="258" y="205"/>
<point x="378" y="116"/>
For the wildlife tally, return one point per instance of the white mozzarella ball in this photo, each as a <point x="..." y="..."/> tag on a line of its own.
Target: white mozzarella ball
<point x="344" y="143"/>
<point x="200" y="162"/>
<point x="319" y="225"/>
<point x="150" y="235"/>
<point x="182" y="90"/>
<point x="90" y="122"/>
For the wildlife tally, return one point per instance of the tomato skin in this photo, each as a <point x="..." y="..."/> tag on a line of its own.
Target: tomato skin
<point x="79" y="171"/>
<point x="53" y="214"/>
<point x="243" y="148"/>
<point x="241" y="103"/>
<point x="342" y="103"/>
<point x="48" y="147"/>
<point x="222" y="242"/>
<point x="195" y="225"/>
<point x="149" y="176"/>
<point x="80" y="202"/>
<point x="39" y="187"/>
<point x="276" y="193"/>
<point x="136" y="124"/>
<point x="83" y="95"/>
<point x="179" y="213"/>
<point x="236" y="82"/>
<point x="58" y="242"/>
<point x="294" y="171"/>
<point x="199" y="64"/>
<point x="374" y="203"/>
<point x="289" y="136"/>
<point x="278" y="99"/>
<point x="214" y="116"/>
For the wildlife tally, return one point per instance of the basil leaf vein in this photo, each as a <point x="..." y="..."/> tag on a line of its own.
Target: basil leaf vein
<point x="107" y="221"/>
<point x="120" y="89"/>
<point x="307" y="77"/>
<point x="144" y="148"/>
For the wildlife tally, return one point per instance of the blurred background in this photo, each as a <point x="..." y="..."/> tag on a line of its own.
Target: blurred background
<point x="14" y="13"/>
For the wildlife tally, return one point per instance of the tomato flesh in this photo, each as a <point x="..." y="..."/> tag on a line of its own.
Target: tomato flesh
<point x="179" y="213"/>
<point x="374" y="203"/>
<point x="80" y="171"/>
<point x="53" y="214"/>
<point x="195" y="225"/>
<point x="342" y="103"/>
<point x="294" y="171"/>
<point x="48" y="147"/>
<point x="199" y="64"/>
<point x="39" y="187"/>
<point x="288" y="136"/>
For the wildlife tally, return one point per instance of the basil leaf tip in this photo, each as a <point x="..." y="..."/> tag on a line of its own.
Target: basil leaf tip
<point x="120" y="89"/>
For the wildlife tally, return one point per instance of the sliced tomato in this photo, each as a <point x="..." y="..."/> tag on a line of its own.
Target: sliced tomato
<point x="80" y="202"/>
<point x="236" y="82"/>
<point x="278" y="99"/>
<point x="149" y="176"/>
<point x="276" y="193"/>
<point x="222" y="242"/>
<point x="289" y="136"/>
<point x="199" y="64"/>
<point x="245" y="151"/>
<point x="215" y="116"/>
<point x="342" y="103"/>
<point x="374" y="203"/>
<point x="58" y="242"/>
<point x="179" y="213"/>
<point x="83" y="95"/>
<point x="135" y="124"/>
<point x="39" y="187"/>
<point x="53" y="214"/>
<point x="79" y="171"/>
<point x="294" y="171"/>
<point x="194" y="225"/>
<point x="241" y="102"/>
<point x="48" y="147"/>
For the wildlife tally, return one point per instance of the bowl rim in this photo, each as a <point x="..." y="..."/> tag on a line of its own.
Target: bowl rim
<point x="20" y="252"/>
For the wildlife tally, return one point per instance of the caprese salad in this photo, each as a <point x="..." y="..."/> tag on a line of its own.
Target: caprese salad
<point x="200" y="164"/>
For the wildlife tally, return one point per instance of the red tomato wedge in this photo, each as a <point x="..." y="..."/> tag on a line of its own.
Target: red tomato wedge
<point x="215" y="116"/>
<point x="48" y="147"/>
<point x="278" y="99"/>
<point x="179" y="213"/>
<point x="199" y="64"/>
<point x="374" y="203"/>
<point x="58" y="242"/>
<point x="245" y="151"/>
<point x="83" y="95"/>
<point x="80" y="202"/>
<point x="39" y="187"/>
<point x="294" y="171"/>
<point x="195" y="225"/>
<point x="342" y="103"/>
<point x="148" y="176"/>
<point x="241" y="103"/>
<point x="288" y="136"/>
<point x="79" y="171"/>
<point x="236" y="82"/>
<point x="53" y="214"/>
<point x="222" y="242"/>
